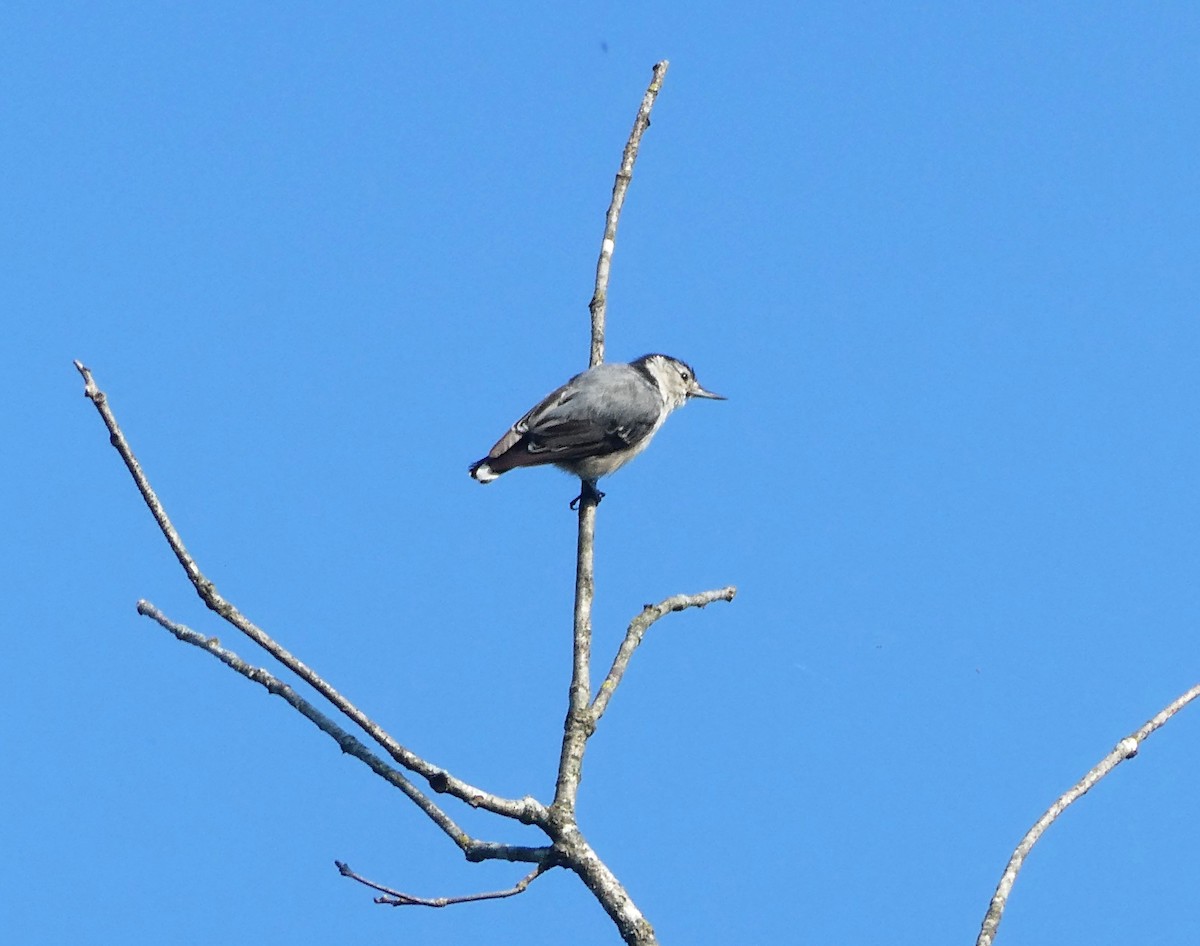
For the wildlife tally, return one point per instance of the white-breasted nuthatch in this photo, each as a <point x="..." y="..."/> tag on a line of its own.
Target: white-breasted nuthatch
<point x="597" y="422"/>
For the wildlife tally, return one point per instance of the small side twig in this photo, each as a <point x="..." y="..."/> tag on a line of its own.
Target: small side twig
<point x="1127" y="748"/>
<point x="637" y="630"/>
<point x="396" y="898"/>
<point x="620" y="187"/>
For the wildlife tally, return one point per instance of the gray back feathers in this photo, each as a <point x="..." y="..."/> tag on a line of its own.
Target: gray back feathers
<point x="597" y="421"/>
<point x="603" y="410"/>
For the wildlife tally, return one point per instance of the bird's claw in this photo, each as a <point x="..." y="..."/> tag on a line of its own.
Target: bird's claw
<point x="588" y="493"/>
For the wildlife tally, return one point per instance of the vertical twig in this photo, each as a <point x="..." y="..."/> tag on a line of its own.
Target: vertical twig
<point x="621" y="185"/>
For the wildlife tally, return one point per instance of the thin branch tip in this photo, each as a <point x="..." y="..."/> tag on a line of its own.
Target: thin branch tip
<point x="641" y="122"/>
<point x="90" y="390"/>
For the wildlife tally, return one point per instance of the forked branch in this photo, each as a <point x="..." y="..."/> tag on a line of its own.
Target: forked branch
<point x="525" y="809"/>
<point x="474" y="849"/>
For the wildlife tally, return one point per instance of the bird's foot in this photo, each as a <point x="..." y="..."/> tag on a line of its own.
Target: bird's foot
<point x="588" y="493"/>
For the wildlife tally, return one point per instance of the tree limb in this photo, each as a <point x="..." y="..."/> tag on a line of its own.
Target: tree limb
<point x="527" y="810"/>
<point x="475" y="850"/>
<point x="1127" y="748"/>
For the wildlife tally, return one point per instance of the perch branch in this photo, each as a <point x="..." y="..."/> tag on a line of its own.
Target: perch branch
<point x="577" y="726"/>
<point x="527" y="809"/>
<point x="637" y="630"/>
<point x="560" y="823"/>
<point x="397" y="899"/>
<point x="620" y="187"/>
<point x="474" y="850"/>
<point x="1127" y="748"/>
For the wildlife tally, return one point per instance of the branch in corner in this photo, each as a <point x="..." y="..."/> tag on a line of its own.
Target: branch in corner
<point x="1127" y="748"/>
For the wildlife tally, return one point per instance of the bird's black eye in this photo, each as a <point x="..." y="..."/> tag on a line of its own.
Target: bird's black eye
<point x="685" y="376"/>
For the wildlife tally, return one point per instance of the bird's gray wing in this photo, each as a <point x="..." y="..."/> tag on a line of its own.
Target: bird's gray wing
<point x="578" y="420"/>
<point x="595" y="416"/>
<point x="516" y="433"/>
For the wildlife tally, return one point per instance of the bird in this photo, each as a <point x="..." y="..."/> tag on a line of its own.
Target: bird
<point x="597" y="422"/>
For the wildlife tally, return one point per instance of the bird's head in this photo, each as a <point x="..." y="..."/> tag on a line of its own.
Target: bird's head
<point x="675" y="379"/>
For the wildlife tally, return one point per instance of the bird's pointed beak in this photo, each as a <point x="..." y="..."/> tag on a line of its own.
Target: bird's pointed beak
<point x="697" y="391"/>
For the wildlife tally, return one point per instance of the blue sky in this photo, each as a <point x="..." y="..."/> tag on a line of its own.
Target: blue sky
<point x="941" y="260"/>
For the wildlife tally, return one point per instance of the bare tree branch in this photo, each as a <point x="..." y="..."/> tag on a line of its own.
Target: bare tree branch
<point x="474" y="849"/>
<point x="620" y="187"/>
<point x="568" y="847"/>
<point x="637" y="629"/>
<point x="1127" y="748"/>
<point x="527" y="810"/>
<point x="397" y="899"/>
